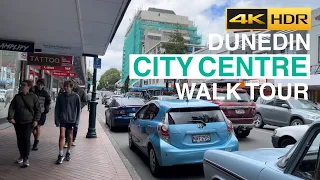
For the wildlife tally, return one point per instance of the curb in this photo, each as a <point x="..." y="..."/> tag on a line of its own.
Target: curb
<point x="133" y="173"/>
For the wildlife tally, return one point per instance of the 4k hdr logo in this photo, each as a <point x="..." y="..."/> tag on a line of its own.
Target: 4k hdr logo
<point x="269" y="19"/>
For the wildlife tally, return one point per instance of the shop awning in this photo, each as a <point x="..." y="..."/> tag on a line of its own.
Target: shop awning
<point x="65" y="27"/>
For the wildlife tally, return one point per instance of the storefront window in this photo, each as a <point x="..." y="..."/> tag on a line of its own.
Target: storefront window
<point x="9" y="80"/>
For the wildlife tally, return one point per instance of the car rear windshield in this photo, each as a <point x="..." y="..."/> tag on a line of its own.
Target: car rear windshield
<point x="130" y="102"/>
<point x="195" y="115"/>
<point x="244" y="97"/>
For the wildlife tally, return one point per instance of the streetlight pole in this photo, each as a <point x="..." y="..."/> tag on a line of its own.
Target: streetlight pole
<point x="93" y="105"/>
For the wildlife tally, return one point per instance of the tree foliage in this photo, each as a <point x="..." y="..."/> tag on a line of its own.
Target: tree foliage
<point x="126" y="84"/>
<point x="108" y="79"/>
<point x="175" y="45"/>
<point x="89" y="75"/>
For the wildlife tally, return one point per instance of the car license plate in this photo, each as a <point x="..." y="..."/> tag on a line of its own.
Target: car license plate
<point x="201" y="138"/>
<point x="239" y="111"/>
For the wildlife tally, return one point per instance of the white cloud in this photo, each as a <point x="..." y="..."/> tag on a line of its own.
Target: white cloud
<point x="194" y="9"/>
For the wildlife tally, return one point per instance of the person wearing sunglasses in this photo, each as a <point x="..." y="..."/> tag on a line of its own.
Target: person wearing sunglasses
<point x="24" y="113"/>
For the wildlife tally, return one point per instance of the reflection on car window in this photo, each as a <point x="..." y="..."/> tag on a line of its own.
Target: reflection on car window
<point x="306" y="168"/>
<point x="303" y="104"/>
<point x="243" y="96"/>
<point x="193" y="115"/>
<point x="279" y="102"/>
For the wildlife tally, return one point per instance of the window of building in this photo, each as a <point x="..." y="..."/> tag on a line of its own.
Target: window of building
<point x="158" y="38"/>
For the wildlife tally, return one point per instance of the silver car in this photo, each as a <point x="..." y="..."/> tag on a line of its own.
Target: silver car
<point x="289" y="112"/>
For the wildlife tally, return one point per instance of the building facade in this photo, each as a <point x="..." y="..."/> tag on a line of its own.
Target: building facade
<point x="149" y="28"/>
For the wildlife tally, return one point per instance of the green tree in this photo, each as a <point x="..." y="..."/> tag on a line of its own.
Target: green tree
<point x="89" y="75"/>
<point x="108" y="79"/>
<point x="126" y="84"/>
<point x="175" y="45"/>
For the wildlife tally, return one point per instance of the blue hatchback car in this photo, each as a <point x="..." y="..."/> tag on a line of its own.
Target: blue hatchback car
<point x="175" y="132"/>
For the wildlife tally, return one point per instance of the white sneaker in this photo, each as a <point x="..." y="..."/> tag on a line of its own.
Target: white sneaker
<point x="65" y="145"/>
<point x="74" y="143"/>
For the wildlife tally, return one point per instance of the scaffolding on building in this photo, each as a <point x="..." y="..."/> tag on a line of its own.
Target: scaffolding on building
<point x="134" y="38"/>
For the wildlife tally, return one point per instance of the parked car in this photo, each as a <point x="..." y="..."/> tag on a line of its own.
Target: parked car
<point x="285" y="136"/>
<point x="163" y="98"/>
<point x="120" y="110"/>
<point x="289" y="112"/>
<point x="240" y="112"/>
<point x="301" y="161"/>
<point x="3" y="95"/>
<point x="174" y="132"/>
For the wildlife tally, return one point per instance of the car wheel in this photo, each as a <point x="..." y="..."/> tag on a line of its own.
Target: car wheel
<point x="296" y="122"/>
<point x="244" y="134"/>
<point x="153" y="163"/>
<point x="286" y="142"/>
<point x="258" y="122"/>
<point x="131" y="145"/>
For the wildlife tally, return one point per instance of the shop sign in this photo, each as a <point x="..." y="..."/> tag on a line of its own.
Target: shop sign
<point x="60" y="49"/>
<point x="8" y="45"/>
<point x="40" y="59"/>
<point x="61" y="68"/>
<point x="64" y="74"/>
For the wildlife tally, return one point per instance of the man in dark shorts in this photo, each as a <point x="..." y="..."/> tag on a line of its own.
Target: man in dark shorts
<point x="83" y="98"/>
<point x="45" y="101"/>
<point x="67" y="116"/>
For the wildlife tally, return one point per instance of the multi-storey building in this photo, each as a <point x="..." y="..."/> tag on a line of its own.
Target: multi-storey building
<point x="149" y="28"/>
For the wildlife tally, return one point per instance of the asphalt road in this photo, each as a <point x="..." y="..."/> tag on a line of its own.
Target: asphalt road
<point x="258" y="138"/>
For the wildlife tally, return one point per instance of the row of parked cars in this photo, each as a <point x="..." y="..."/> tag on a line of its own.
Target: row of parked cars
<point x="172" y="132"/>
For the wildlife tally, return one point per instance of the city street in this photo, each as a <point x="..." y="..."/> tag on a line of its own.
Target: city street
<point x="258" y="138"/>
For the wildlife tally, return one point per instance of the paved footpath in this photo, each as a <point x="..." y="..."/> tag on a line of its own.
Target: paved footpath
<point x="90" y="158"/>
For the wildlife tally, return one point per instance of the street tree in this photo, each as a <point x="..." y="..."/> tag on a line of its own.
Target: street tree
<point x="126" y="84"/>
<point x="175" y="45"/>
<point x="108" y="79"/>
<point x="89" y="74"/>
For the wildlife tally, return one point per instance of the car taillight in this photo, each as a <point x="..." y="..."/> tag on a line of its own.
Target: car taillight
<point x="121" y="112"/>
<point x="163" y="130"/>
<point x="230" y="127"/>
<point x="254" y="107"/>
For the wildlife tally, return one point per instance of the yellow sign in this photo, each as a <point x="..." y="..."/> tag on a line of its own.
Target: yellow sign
<point x="269" y="19"/>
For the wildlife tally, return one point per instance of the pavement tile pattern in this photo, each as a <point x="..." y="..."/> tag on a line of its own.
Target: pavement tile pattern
<point x="90" y="158"/>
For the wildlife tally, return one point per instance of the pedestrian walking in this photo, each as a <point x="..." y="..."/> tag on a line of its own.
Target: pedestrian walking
<point x="45" y="101"/>
<point x="8" y="96"/>
<point x="89" y="96"/>
<point x="83" y="98"/>
<point x="24" y="113"/>
<point x="67" y="116"/>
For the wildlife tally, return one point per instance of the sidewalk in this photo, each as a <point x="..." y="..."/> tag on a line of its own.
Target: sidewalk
<point x="90" y="158"/>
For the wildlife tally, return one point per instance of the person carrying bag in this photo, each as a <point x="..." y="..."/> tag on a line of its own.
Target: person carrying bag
<point x="24" y="113"/>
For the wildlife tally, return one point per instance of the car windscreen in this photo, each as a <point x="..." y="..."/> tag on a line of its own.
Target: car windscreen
<point x="303" y="104"/>
<point x="244" y="97"/>
<point x="168" y="97"/>
<point x="195" y="115"/>
<point x="130" y="102"/>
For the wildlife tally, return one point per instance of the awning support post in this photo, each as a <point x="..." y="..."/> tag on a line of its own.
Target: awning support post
<point x="93" y="106"/>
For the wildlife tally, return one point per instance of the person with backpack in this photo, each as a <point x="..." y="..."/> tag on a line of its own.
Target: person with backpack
<point x="24" y="113"/>
<point x="45" y="101"/>
<point x="83" y="98"/>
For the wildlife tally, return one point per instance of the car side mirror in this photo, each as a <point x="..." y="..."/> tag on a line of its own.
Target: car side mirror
<point x="285" y="106"/>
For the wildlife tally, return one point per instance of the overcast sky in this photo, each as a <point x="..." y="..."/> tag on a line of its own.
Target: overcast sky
<point x="208" y="16"/>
